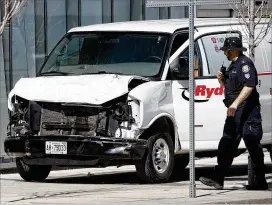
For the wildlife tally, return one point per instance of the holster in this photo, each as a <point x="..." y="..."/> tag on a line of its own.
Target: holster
<point x="227" y="102"/>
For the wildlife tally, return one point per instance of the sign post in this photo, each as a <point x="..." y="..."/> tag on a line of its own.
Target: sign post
<point x="191" y="4"/>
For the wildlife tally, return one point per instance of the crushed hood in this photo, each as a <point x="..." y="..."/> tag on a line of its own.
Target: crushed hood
<point x="90" y="89"/>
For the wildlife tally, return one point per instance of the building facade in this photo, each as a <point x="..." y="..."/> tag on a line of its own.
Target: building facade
<point x="32" y="33"/>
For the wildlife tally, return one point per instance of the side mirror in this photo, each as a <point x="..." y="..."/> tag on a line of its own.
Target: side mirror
<point x="180" y="68"/>
<point x="184" y="62"/>
<point x="58" y="60"/>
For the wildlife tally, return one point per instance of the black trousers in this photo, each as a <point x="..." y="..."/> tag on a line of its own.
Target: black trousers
<point x="246" y="124"/>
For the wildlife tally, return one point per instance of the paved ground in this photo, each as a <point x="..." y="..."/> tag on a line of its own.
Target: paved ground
<point x="121" y="186"/>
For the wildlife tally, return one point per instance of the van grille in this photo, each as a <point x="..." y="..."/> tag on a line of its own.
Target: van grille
<point x="62" y="120"/>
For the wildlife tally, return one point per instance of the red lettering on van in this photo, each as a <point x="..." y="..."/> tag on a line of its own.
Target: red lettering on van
<point x="203" y="90"/>
<point x="200" y="90"/>
<point x="219" y="91"/>
<point x="209" y="92"/>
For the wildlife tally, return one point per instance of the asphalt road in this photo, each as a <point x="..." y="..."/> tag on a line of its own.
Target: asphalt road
<point x="121" y="186"/>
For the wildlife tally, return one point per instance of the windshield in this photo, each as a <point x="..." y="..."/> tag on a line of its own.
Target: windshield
<point x="88" y="53"/>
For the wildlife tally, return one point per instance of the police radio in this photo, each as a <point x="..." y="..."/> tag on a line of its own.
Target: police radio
<point x="223" y="69"/>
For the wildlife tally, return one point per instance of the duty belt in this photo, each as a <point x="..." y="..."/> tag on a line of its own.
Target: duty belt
<point x="228" y="102"/>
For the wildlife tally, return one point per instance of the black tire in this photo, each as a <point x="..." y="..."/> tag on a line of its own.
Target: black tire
<point x="32" y="172"/>
<point x="145" y="168"/>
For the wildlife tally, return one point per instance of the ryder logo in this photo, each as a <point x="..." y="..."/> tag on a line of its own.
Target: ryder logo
<point x="203" y="91"/>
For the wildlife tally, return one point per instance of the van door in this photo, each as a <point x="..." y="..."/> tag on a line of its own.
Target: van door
<point x="210" y="112"/>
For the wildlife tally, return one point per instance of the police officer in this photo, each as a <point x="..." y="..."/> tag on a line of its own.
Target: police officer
<point x="243" y="118"/>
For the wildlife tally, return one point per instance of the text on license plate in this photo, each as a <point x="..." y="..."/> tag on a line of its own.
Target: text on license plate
<point x="52" y="147"/>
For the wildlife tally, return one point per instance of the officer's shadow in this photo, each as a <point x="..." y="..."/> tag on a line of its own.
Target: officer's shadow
<point x="236" y="173"/>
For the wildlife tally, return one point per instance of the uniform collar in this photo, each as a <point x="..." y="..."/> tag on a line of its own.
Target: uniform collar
<point x="235" y="59"/>
<point x="235" y="63"/>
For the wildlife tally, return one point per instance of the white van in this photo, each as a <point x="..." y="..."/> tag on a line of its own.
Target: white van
<point x="117" y="94"/>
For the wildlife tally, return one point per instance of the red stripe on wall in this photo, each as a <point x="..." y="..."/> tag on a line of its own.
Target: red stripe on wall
<point x="265" y="73"/>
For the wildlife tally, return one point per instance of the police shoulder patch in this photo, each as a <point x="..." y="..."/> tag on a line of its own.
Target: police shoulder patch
<point x="247" y="76"/>
<point x="245" y="68"/>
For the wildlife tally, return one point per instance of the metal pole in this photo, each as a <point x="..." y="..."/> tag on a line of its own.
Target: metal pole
<point x="192" y="95"/>
<point x="192" y="7"/>
<point x="251" y="7"/>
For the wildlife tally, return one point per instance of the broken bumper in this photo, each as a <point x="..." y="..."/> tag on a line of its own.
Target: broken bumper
<point x="79" y="150"/>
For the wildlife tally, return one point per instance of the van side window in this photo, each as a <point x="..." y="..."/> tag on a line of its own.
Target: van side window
<point x="184" y="63"/>
<point x="215" y="57"/>
<point x="180" y="66"/>
<point x="179" y="39"/>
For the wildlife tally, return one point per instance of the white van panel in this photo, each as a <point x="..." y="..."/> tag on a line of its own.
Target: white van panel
<point x="263" y="52"/>
<point x="208" y="139"/>
<point x="264" y="66"/>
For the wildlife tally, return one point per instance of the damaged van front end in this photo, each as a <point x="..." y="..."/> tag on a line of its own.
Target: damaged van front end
<point x="54" y="131"/>
<point x="97" y="101"/>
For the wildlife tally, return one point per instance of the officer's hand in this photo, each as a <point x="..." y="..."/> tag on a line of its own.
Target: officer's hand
<point x="220" y="75"/>
<point x="231" y="110"/>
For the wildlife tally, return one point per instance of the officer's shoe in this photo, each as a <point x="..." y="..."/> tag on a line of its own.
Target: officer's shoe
<point x="211" y="182"/>
<point x="258" y="186"/>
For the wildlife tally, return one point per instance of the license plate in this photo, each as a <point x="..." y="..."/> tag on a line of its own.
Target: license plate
<point x="55" y="147"/>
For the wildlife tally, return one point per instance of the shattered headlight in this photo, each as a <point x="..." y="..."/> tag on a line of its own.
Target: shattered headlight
<point x="18" y="123"/>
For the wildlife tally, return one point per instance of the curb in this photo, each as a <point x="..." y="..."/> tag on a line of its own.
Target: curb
<point x="4" y="160"/>
<point x="246" y="201"/>
<point x="7" y="164"/>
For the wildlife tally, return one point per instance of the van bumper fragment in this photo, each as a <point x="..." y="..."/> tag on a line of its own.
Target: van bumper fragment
<point x="80" y="150"/>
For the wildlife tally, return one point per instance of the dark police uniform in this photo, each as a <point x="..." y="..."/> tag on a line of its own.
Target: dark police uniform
<point x="240" y="73"/>
<point x="246" y="123"/>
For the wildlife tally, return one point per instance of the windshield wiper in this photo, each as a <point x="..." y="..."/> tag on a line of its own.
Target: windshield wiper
<point x="104" y="72"/>
<point x="54" y="72"/>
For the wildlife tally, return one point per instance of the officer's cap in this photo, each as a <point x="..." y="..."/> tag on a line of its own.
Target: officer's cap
<point x="233" y="43"/>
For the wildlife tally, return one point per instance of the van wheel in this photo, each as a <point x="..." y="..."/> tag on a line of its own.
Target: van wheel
<point x="157" y="164"/>
<point x="32" y="172"/>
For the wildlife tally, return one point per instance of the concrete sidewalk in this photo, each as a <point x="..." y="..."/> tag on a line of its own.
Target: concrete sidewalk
<point x="121" y="186"/>
<point x="118" y="186"/>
